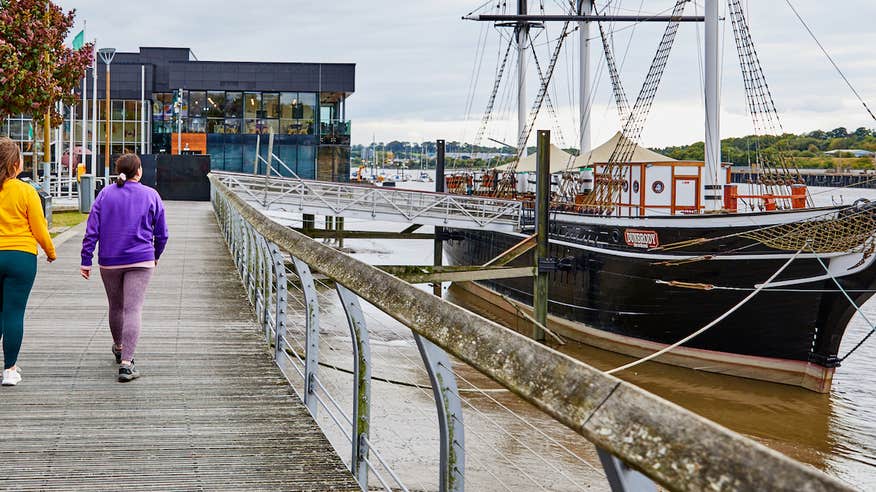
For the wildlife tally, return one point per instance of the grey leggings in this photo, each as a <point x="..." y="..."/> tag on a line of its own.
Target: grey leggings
<point x="125" y="291"/>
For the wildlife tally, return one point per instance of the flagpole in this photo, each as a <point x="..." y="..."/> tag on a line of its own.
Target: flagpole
<point x="72" y="134"/>
<point x="142" y="109"/>
<point x="57" y="143"/>
<point x="84" y="148"/>
<point x="47" y="130"/>
<point x="94" y="109"/>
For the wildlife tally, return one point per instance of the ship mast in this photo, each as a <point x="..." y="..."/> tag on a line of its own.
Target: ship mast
<point x="522" y="22"/>
<point x="522" y="35"/>
<point x="585" y="7"/>
<point x="712" y="190"/>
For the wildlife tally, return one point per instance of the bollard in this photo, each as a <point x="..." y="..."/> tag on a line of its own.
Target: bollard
<point x="46" y="202"/>
<point x="47" y="177"/>
<point x="731" y="197"/>
<point x="86" y="193"/>
<point x="798" y="196"/>
<point x="542" y="209"/>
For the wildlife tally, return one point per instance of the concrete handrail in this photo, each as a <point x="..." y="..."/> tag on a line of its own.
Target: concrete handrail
<point x="669" y="444"/>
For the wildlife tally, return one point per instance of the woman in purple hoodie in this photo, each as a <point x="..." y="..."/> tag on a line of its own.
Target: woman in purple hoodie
<point x="128" y="222"/>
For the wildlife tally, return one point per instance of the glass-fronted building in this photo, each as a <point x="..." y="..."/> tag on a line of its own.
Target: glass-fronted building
<point x="218" y="108"/>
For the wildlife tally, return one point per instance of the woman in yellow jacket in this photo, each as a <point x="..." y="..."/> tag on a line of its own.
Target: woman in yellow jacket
<point x="22" y="226"/>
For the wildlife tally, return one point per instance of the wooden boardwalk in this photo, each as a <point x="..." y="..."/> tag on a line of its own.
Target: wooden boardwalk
<point x="210" y="412"/>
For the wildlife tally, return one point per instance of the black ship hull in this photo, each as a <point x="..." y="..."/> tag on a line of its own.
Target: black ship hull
<point x="617" y="292"/>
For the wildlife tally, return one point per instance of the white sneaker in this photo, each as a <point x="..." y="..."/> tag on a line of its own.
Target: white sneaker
<point x="11" y="377"/>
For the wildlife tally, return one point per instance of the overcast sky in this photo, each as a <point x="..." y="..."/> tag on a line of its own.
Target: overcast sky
<point x="415" y="61"/>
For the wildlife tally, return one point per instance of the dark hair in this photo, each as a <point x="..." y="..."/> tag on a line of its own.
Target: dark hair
<point x="127" y="165"/>
<point x="10" y="159"/>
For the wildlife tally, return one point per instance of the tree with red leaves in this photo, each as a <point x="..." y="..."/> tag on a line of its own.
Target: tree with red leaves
<point x="36" y="69"/>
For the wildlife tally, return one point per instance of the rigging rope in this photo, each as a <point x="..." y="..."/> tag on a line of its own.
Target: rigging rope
<point x="620" y="95"/>
<point x="823" y="50"/>
<point x="492" y="101"/>
<point x="835" y="231"/>
<point x="778" y="174"/>
<point x="709" y="325"/>
<point x="857" y="308"/>
<point x="608" y="185"/>
<point x="542" y="93"/>
<point x="550" y="104"/>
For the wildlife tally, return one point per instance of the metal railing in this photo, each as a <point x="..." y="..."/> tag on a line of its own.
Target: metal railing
<point x="67" y="187"/>
<point x="640" y="438"/>
<point x="295" y="195"/>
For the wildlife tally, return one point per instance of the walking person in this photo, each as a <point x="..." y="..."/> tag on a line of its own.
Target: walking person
<point x="127" y="221"/>
<point x="22" y="227"/>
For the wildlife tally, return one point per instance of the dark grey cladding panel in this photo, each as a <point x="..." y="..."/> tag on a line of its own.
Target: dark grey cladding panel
<point x="262" y="76"/>
<point x="125" y="58"/>
<point x="158" y="57"/>
<point x="168" y="69"/>
<point x="124" y="81"/>
<point x="165" y="54"/>
<point x="339" y="77"/>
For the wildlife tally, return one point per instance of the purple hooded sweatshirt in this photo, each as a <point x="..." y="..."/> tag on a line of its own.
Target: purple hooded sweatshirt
<point x="128" y="222"/>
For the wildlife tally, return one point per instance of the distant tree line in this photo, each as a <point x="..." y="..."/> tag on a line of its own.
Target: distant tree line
<point x="806" y="150"/>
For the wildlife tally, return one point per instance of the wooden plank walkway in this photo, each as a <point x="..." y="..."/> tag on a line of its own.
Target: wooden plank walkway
<point x="210" y="412"/>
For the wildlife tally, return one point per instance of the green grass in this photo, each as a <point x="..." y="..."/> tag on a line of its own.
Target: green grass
<point x="67" y="219"/>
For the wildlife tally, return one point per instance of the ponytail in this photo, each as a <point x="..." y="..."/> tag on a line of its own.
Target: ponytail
<point x="127" y="165"/>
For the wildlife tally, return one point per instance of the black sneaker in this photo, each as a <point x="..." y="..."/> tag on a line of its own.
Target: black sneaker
<point x="128" y="373"/>
<point x="118" y="353"/>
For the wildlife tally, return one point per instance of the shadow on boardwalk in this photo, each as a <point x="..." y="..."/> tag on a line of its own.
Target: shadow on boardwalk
<point x="211" y="411"/>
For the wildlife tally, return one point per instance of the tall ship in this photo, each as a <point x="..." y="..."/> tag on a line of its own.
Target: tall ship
<point x="752" y="278"/>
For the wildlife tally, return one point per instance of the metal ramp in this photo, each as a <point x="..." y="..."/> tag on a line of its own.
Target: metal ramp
<point x="279" y="195"/>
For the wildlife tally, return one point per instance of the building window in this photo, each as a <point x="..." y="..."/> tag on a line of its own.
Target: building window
<point x="197" y="125"/>
<point x="215" y="104"/>
<point x="118" y="110"/>
<point x="271" y="104"/>
<point x="232" y="125"/>
<point x="132" y="110"/>
<point x="308" y="108"/>
<point x="233" y="104"/>
<point x="197" y="103"/>
<point x="288" y="103"/>
<point x="252" y="104"/>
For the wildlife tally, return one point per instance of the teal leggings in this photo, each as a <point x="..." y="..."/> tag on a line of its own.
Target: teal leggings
<point x="17" y="272"/>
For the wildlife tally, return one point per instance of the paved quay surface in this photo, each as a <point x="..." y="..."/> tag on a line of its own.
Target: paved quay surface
<point x="210" y="411"/>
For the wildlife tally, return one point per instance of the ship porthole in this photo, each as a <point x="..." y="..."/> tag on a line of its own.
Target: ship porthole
<point x="615" y="236"/>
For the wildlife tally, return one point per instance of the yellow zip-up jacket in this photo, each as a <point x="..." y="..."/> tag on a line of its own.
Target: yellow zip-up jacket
<point x="22" y="223"/>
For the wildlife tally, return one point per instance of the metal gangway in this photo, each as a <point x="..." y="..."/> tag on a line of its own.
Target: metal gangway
<point x="279" y="197"/>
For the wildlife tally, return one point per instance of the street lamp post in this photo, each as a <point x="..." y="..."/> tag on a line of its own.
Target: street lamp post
<point x="107" y="54"/>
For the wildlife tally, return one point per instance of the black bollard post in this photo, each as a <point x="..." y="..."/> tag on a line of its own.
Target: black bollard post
<point x="438" y="255"/>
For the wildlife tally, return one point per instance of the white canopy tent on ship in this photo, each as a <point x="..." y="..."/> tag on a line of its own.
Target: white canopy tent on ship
<point x="563" y="161"/>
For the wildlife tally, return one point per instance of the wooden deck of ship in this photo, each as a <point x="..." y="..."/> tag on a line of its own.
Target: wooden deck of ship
<point x="210" y="412"/>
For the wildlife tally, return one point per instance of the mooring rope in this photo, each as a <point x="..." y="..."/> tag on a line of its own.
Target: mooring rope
<point x="713" y="323"/>
<point x="857" y="308"/>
